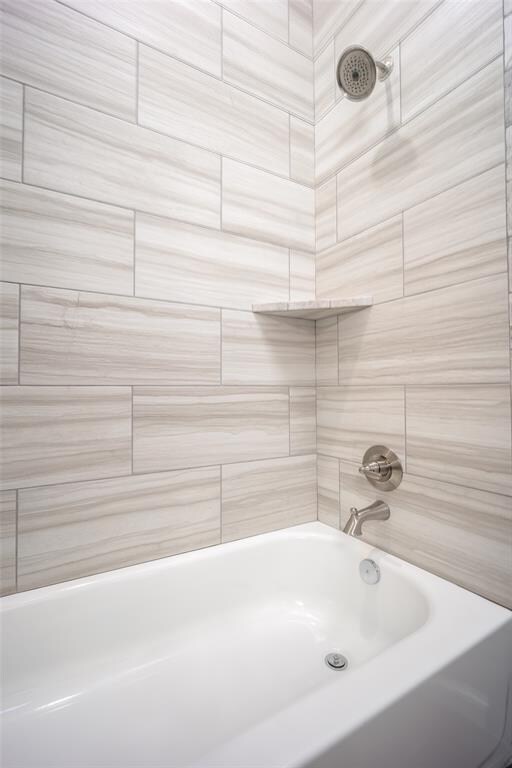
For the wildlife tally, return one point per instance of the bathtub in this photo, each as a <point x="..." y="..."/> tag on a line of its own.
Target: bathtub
<point x="215" y="659"/>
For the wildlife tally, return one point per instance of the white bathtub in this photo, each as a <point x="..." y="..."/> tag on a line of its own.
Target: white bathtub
<point x="216" y="659"/>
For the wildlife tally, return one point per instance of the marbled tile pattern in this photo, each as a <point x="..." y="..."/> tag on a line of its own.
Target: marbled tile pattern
<point x="184" y="262"/>
<point x="325" y="217"/>
<point x="271" y="17"/>
<point x="52" y="239"/>
<point x="371" y="262"/>
<point x="302" y="276"/>
<point x="11" y="129"/>
<point x="267" y="350"/>
<point x="302" y="420"/>
<point x="69" y="337"/>
<point x="328" y="16"/>
<point x="191" y="32"/>
<point x="327" y="351"/>
<point x="262" y="496"/>
<point x="190" y="105"/>
<point x="49" y="46"/>
<point x="302" y="151"/>
<point x="300" y="25"/>
<point x="92" y="439"/>
<point x="77" y="150"/>
<point x="9" y="314"/>
<point x="328" y="471"/>
<point x="175" y="428"/>
<point x="73" y="530"/>
<point x="7" y="542"/>
<point x="325" y="81"/>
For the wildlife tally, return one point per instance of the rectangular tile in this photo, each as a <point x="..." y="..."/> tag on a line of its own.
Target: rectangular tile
<point x="461" y="534"/>
<point x="7" y="542"/>
<point x="336" y="141"/>
<point x="370" y="263"/>
<point x="325" y="81"/>
<point x="302" y="420"/>
<point x="186" y="263"/>
<point x="267" y="350"/>
<point x="271" y="16"/>
<point x="9" y="314"/>
<point x="195" y="107"/>
<point x="468" y="35"/>
<point x="328" y="470"/>
<point x="351" y="419"/>
<point x="448" y="336"/>
<point x="302" y="151"/>
<point x="61" y="434"/>
<point x="78" y="529"/>
<point x="302" y="276"/>
<point x="70" y="337"/>
<point x="458" y="137"/>
<point x="327" y="351"/>
<point x="325" y="219"/>
<point x="266" y="67"/>
<point x="459" y="235"/>
<point x="68" y="242"/>
<point x="175" y="428"/>
<point x="188" y="31"/>
<point x="301" y="25"/>
<point x="264" y="496"/>
<point x="73" y="149"/>
<point x="507" y="47"/>
<point x="49" y="46"/>
<point x="257" y="204"/>
<point x="461" y="435"/>
<point x="329" y="16"/>
<point x="11" y="129"/>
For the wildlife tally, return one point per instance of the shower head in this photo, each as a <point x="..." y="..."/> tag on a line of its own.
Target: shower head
<point x="356" y="72"/>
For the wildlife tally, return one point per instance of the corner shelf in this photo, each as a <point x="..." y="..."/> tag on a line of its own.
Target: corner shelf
<point x="314" y="310"/>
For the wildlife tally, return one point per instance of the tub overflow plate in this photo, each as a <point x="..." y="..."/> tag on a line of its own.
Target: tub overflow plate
<point x="336" y="661"/>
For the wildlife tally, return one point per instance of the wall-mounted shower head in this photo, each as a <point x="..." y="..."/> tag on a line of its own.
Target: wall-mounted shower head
<point x="356" y="72"/>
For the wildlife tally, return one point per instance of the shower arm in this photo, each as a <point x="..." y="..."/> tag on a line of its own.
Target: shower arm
<point x="384" y="68"/>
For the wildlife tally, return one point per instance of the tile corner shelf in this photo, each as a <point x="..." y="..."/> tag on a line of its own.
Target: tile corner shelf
<point x="314" y="310"/>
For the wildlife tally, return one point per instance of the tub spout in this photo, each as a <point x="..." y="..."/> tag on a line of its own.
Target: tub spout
<point x="379" y="510"/>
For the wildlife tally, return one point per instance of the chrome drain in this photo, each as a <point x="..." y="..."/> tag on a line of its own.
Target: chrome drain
<point x="336" y="661"/>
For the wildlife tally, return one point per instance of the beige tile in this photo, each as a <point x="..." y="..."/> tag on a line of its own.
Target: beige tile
<point x="302" y="151"/>
<point x="302" y="276"/>
<point x="9" y="313"/>
<point x="329" y="16"/>
<point x="325" y="81"/>
<point x="327" y="351"/>
<point x="49" y="46"/>
<point x="468" y="35"/>
<point x="452" y="335"/>
<point x="266" y="207"/>
<point x="7" y="542"/>
<point x="69" y="337"/>
<point x="266" y="67"/>
<point x="74" y="530"/>
<point x="189" y="31"/>
<point x="11" y="129"/>
<point x="182" y="102"/>
<point x="325" y="215"/>
<point x="263" y="496"/>
<point x="370" y="263"/>
<point x="301" y="25"/>
<point x="328" y="470"/>
<point x="267" y="350"/>
<point x="269" y="15"/>
<point x="302" y="420"/>
<point x="461" y="435"/>
<point x="337" y="142"/>
<point x="61" y="434"/>
<point x="52" y="239"/>
<point x="458" y="137"/>
<point x="380" y="26"/>
<point x="186" y="263"/>
<point x="456" y="532"/>
<point x="175" y="428"/>
<point x="351" y="419"/>
<point x="459" y="235"/>
<point x="73" y="149"/>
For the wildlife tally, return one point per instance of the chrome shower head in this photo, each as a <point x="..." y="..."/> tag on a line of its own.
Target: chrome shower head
<point x="356" y="72"/>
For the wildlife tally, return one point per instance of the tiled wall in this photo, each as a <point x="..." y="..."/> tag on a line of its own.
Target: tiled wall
<point x="412" y="208"/>
<point x="157" y="164"/>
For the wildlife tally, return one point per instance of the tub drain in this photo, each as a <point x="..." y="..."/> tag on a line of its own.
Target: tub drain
<point x="336" y="661"/>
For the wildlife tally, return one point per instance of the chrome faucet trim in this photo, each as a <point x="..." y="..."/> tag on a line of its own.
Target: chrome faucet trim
<point x="379" y="510"/>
